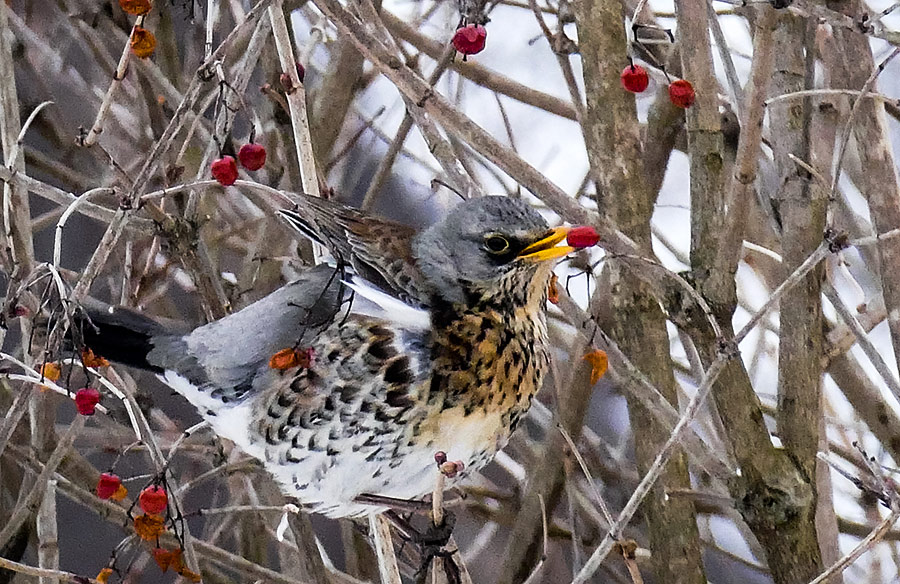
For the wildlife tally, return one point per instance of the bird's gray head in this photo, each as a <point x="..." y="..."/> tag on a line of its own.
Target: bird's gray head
<point x="489" y="248"/>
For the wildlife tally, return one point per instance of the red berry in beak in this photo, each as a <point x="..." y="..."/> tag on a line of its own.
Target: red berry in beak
<point x="581" y="237"/>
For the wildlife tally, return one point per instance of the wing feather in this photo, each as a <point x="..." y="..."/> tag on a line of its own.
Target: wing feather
<point x="378" y="250"/>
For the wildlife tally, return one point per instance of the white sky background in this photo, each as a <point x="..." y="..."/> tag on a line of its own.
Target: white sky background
<point x="517" y="49"/>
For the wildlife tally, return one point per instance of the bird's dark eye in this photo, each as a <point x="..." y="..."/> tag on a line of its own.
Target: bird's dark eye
<point x="495" y="243"/>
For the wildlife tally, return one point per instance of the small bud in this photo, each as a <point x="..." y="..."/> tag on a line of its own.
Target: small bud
<point x="286" y="83"/>
<point x="451" y="469"/>
<point x="440" y="457"/>
<point x="301" y="72"/>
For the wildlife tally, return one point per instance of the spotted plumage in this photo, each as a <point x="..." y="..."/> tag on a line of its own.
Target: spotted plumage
<point x="419" y="342"/>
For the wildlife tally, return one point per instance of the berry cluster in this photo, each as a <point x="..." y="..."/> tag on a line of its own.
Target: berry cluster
<point x="636" y="80"/>
<point x="225" y="169"/>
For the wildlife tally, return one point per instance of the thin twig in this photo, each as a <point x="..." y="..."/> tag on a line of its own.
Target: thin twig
<point x="296" y="98"/>
<point x="848" y="125"/>
<point x="646" y="484"/>
<point x="121" y="68"/>
<point x="863" y="546"/>
<point x="587" y="473"/>
<point x="863" y="340"/>
<point x="796" y="276"/>
<point x="29" y="503"/>
<point x="44" y="573"/>
<point x="380" y="530"/>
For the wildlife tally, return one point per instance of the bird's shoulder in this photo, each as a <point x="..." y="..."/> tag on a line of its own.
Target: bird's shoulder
<point x="378" y="249"/>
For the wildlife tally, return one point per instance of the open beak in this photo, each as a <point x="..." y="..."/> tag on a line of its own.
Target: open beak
<point x="546" y="249"/>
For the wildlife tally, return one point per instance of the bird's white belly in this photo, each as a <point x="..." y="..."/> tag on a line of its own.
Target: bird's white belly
<point x="330" y="483"/>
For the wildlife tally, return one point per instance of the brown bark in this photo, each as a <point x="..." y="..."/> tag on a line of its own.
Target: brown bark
<point x="614" y="150"/>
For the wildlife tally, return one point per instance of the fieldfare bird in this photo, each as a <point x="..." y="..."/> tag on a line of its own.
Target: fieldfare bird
<point x="350" y="379"/>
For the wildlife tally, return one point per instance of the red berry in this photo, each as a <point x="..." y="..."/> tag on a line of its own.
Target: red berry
<point x="86" y="400"/>
<point x="301" y="72"/>
<point x="252" y="156"/>
<point x="634" y="78"/>
<point x="681" y="93"/>
<point x="225" y="170"/>
<point x="153" y="500"/>
<point x="469" y="39"/>
<point x="107" y="485"/>
<point x="581" y="237"/>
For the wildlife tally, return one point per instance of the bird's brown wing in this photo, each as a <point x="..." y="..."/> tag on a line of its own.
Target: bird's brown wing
<point x="379" y="250"/>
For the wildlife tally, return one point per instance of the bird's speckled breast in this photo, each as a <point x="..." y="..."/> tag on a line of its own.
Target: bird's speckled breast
<point x="487" y="366"/>
<point x="378" y="402"/>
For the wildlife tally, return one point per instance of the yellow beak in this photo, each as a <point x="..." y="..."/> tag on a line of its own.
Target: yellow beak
<point x="545" y="249"/>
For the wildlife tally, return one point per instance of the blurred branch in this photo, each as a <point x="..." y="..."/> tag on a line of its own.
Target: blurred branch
<point x="380" y="531"/>
<point x="441" y="148"/>
<point x="724" y="264"/>
<point x="29" y="504"/>
<point x="545" y="480"/>
<point x="477" y="73"/>
<point x="387" y="162"/>
<point x="46" y="529"/>
<point x="335" y="95"/>
<point x="44" y="574"/>
<point x="51" y="193"/>
<point x="296" y="98"/>
<point x="118" y="75"/>
<point x="881" y="187"/>
<point x="646" y="484"/>
<point x="16" y="208"/>
<point x="422" y="95"/>
<point x="162" y="145"/>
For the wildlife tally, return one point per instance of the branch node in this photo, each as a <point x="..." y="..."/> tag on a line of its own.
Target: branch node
<point x="837" y="240"/>
<point x="727" y="349"/>
<point x="425" y="96"/>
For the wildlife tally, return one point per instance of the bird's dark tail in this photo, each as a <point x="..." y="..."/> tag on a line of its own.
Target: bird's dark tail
<point x="118" y="334"/>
